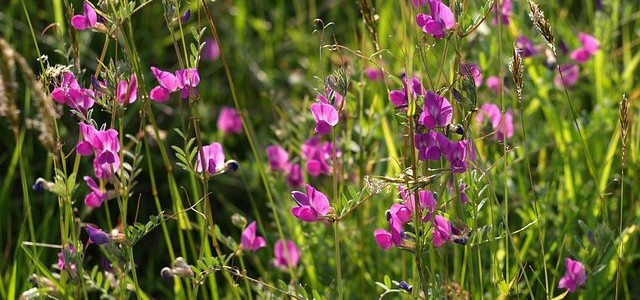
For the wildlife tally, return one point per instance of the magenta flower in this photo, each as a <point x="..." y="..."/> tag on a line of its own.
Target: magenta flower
<point x="70" y="93"/>
<point x="213" y="159"/>
<point x="589" y="48"/>
<point x="97" y="236"/>
<point x="503" y="127"/>
<point x="436" y="112"/>
<point x="569" y="77"/>
<point x="325" y="115"/>
<point x="97" y="196"/>
<point x="373" y="73"/>
<point x="526" y="46"/>
<point x="400" y="212"/>
<point x="168" y="84"/>
<point x="127" y="93"/>
<point x="427" y="145"/>
<point x="249" y="239"/>
<point x="86" y="20"/>
<point x="211" y="50"/>
<point x="311" y="206"/>
<point x="286" y="254"/>
<point x="441" y="232"/>
<point x="278" y="158"/>
<point x="229" y="121"/>
<point x="472" y="70"/>
<point x="188" y="79"/>
<point x="335" y="98"/>
<point x="317" y="154"/>
<point x="494" y="83"/>
<point x="426" y="200"/>
<point x="393" y="237"/>
<point x="440" y="20"/>
<point x="574" y="276"/>
<point x="400" y="98"/>
<point x="458" y="153"/>
<point x="294" y="176"/>
<point x="505" y="12"/>
<point x="104" y="144"/>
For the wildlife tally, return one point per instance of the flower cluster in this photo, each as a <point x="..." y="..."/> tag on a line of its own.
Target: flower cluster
<point x="279" y="162"/>
<point x="70" y="92"/>
<point x="318" y="155"/>
<point x="184" y="80"/>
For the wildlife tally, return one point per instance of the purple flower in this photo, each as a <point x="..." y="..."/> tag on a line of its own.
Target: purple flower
<point x="63" y="260"/>
<point x="472" y="70"/>
<point x="168" y="84"/>
<point x="440" y="20"/>
<point x="311" y="206"/>
<point x="317" y="154"/>
<point x="426" y="200"/>
<point x="427" y="145"/>
<point x="187" y="79"/>
<point x="86" y="20"/>
<point x="589" y="48"/>
<point x="458" y="153"/>
<point x="294" y="176"/>
<point x="400" y="98"/>
<point x="185" y="17"/>
<point x="569" y="77"/>
<point x="494" y="83"/>
<point x="503" y="15"/>
<point x="127" y="93"/>
<point x="335" y="98"/>
<point x="387" y="239"/>
<point x="211" y="50"/>
<point x="278" y="158"/>
<point x="229" y="121"/>
<point x="526" y="46"/>
<point x="574" y="276"/>
<point x="325" y="115"/>
<point x="400" y="212"/>
<point x="70" y="93"/>
<point x="97" y="196"/>
<point x="105" y="145"/>
<point x="249" y="239"/>
<point x="213" y="159"/>
<point x="504" y="127"/>
<point x="286" y="254"/>
<point x="374" y="73"/>
<point x="436" y="112"/>
<point x="97" y="236"/>
<point x="441" y="232"/>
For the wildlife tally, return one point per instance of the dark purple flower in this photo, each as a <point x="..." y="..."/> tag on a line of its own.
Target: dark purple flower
<point x="229" y="121"/>
<point x="211" y="50"/>
<point x="311" y="206"/>
<point x="427" y="145"/>
<point x="286" y="254"/>
<point x="325" y="115"/>
<point x="86" y="20"/>
<point x="472" y="70"/>
<point x="249" y="239"/>
<point x="185" y="17"/>
<point x="439" y="22"/>
<point x="574" y="276"/>
<point x="441" y="231"/>
<point x="458" y="153"/>
<point x="278" y="158"/>
<point x="97" y="236"/>
<point x="526" y="46"/>
<point x="503" y="14"/>
<point x="436" y="112"/>
<point x="569" y="77"/>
